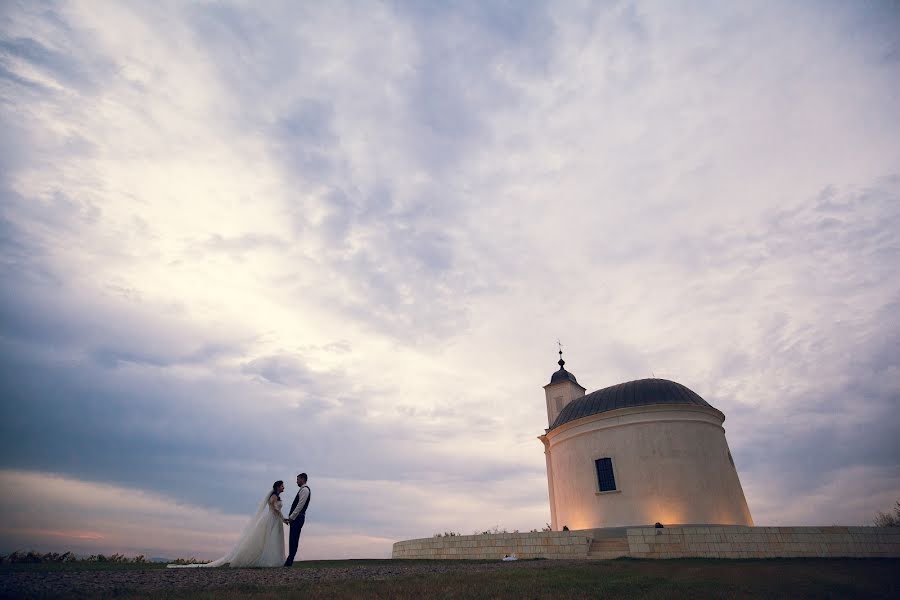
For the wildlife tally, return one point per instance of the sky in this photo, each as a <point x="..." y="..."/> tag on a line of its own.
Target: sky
<point x="243" y="240"/>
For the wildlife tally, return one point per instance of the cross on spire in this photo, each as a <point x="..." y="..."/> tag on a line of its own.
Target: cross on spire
<point x="561" y="362"/>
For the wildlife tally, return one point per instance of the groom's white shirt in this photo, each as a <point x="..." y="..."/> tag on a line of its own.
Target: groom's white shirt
<point x="304" y="494"/>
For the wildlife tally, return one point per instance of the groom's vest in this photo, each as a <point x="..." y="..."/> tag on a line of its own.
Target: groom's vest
<point x="305" y="504"/>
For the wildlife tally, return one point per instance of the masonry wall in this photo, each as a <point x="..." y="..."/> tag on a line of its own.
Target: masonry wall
<point x="545" y="544"/>
<point x="763" y="542"/>
<point x="671" y="464"/>
<point x="671" y="542"/>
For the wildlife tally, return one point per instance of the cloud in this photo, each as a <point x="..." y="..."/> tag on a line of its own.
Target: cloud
<point x="118" y="519"/>
<point x="211" y="435"/>
<point x="237" y="243"/>
<point x="284" y="370"/>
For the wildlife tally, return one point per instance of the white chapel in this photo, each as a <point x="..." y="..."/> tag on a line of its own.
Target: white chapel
<point x="635" y="454"/>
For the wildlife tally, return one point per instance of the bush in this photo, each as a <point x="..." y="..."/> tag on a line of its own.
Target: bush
<point x="188" y="561"/>
<point x="494" y="531"/>
<point x="888" y="519"/>
<point x="21" y="557"/>
<point x="447" y="534"/>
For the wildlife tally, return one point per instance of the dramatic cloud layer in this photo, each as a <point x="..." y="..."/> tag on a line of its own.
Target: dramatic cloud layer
<point x="242" y="240"/>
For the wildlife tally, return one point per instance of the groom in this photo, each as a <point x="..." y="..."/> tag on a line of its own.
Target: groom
<point x="297" y="518"/>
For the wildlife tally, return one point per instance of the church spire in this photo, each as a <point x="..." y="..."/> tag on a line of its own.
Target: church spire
<point x="562" y="389"/>
<point x="562" y="374"/>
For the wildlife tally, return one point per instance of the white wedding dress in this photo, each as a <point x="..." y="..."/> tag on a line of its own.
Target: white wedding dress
<point x="260" y="545"/>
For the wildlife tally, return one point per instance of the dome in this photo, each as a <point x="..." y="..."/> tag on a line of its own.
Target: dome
<point x="643" y="392"/>
<point x="563" y="375"/>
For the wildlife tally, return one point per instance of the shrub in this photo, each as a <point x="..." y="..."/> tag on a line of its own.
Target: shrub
<point x="493" y="530"/>
<point x="888" y="519"/>
<point x="188" y="561"/>
<point x="447" y="534"/>
<point x="23" y="557"/>
<point x="31" y="556"/>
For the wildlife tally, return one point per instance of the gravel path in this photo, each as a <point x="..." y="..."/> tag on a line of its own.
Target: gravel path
<point x="25" y="584"/>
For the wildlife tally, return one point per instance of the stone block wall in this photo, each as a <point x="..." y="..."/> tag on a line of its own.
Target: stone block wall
<point x="544" y="544"/>
<point x="670" y="542"/>
<point x="763" y="542"/>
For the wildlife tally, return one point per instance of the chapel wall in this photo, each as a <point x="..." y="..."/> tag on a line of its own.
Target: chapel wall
<point x="670" y="465"/>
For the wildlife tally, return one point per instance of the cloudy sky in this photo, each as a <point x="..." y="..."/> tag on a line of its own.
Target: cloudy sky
<point x="242" y="240"/>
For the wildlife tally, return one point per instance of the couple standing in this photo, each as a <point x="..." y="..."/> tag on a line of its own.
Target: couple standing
<point x="262" y="542"/>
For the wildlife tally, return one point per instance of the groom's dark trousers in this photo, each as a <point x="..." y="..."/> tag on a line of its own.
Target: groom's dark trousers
<point x="294" y="539"/>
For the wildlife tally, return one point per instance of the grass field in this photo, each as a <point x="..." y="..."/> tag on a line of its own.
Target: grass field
<point x="624" y="578"/>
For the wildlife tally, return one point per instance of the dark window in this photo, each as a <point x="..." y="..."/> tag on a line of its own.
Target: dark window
<point x="605" y="475"/>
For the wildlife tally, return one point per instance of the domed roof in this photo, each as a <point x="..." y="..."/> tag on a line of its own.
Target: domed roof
<point x="562" y="374"/>
<point x="642" y="392"/>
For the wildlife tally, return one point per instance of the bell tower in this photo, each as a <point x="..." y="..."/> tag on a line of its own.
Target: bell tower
<point x="562" y="389"/>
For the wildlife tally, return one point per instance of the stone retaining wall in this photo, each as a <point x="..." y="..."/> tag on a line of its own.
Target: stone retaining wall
<point x="670" y="542"/>
<point x="544" y="544"/>
<point x="763" y="542"/>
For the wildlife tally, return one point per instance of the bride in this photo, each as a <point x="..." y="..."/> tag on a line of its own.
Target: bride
<point x="262" y="542"/>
